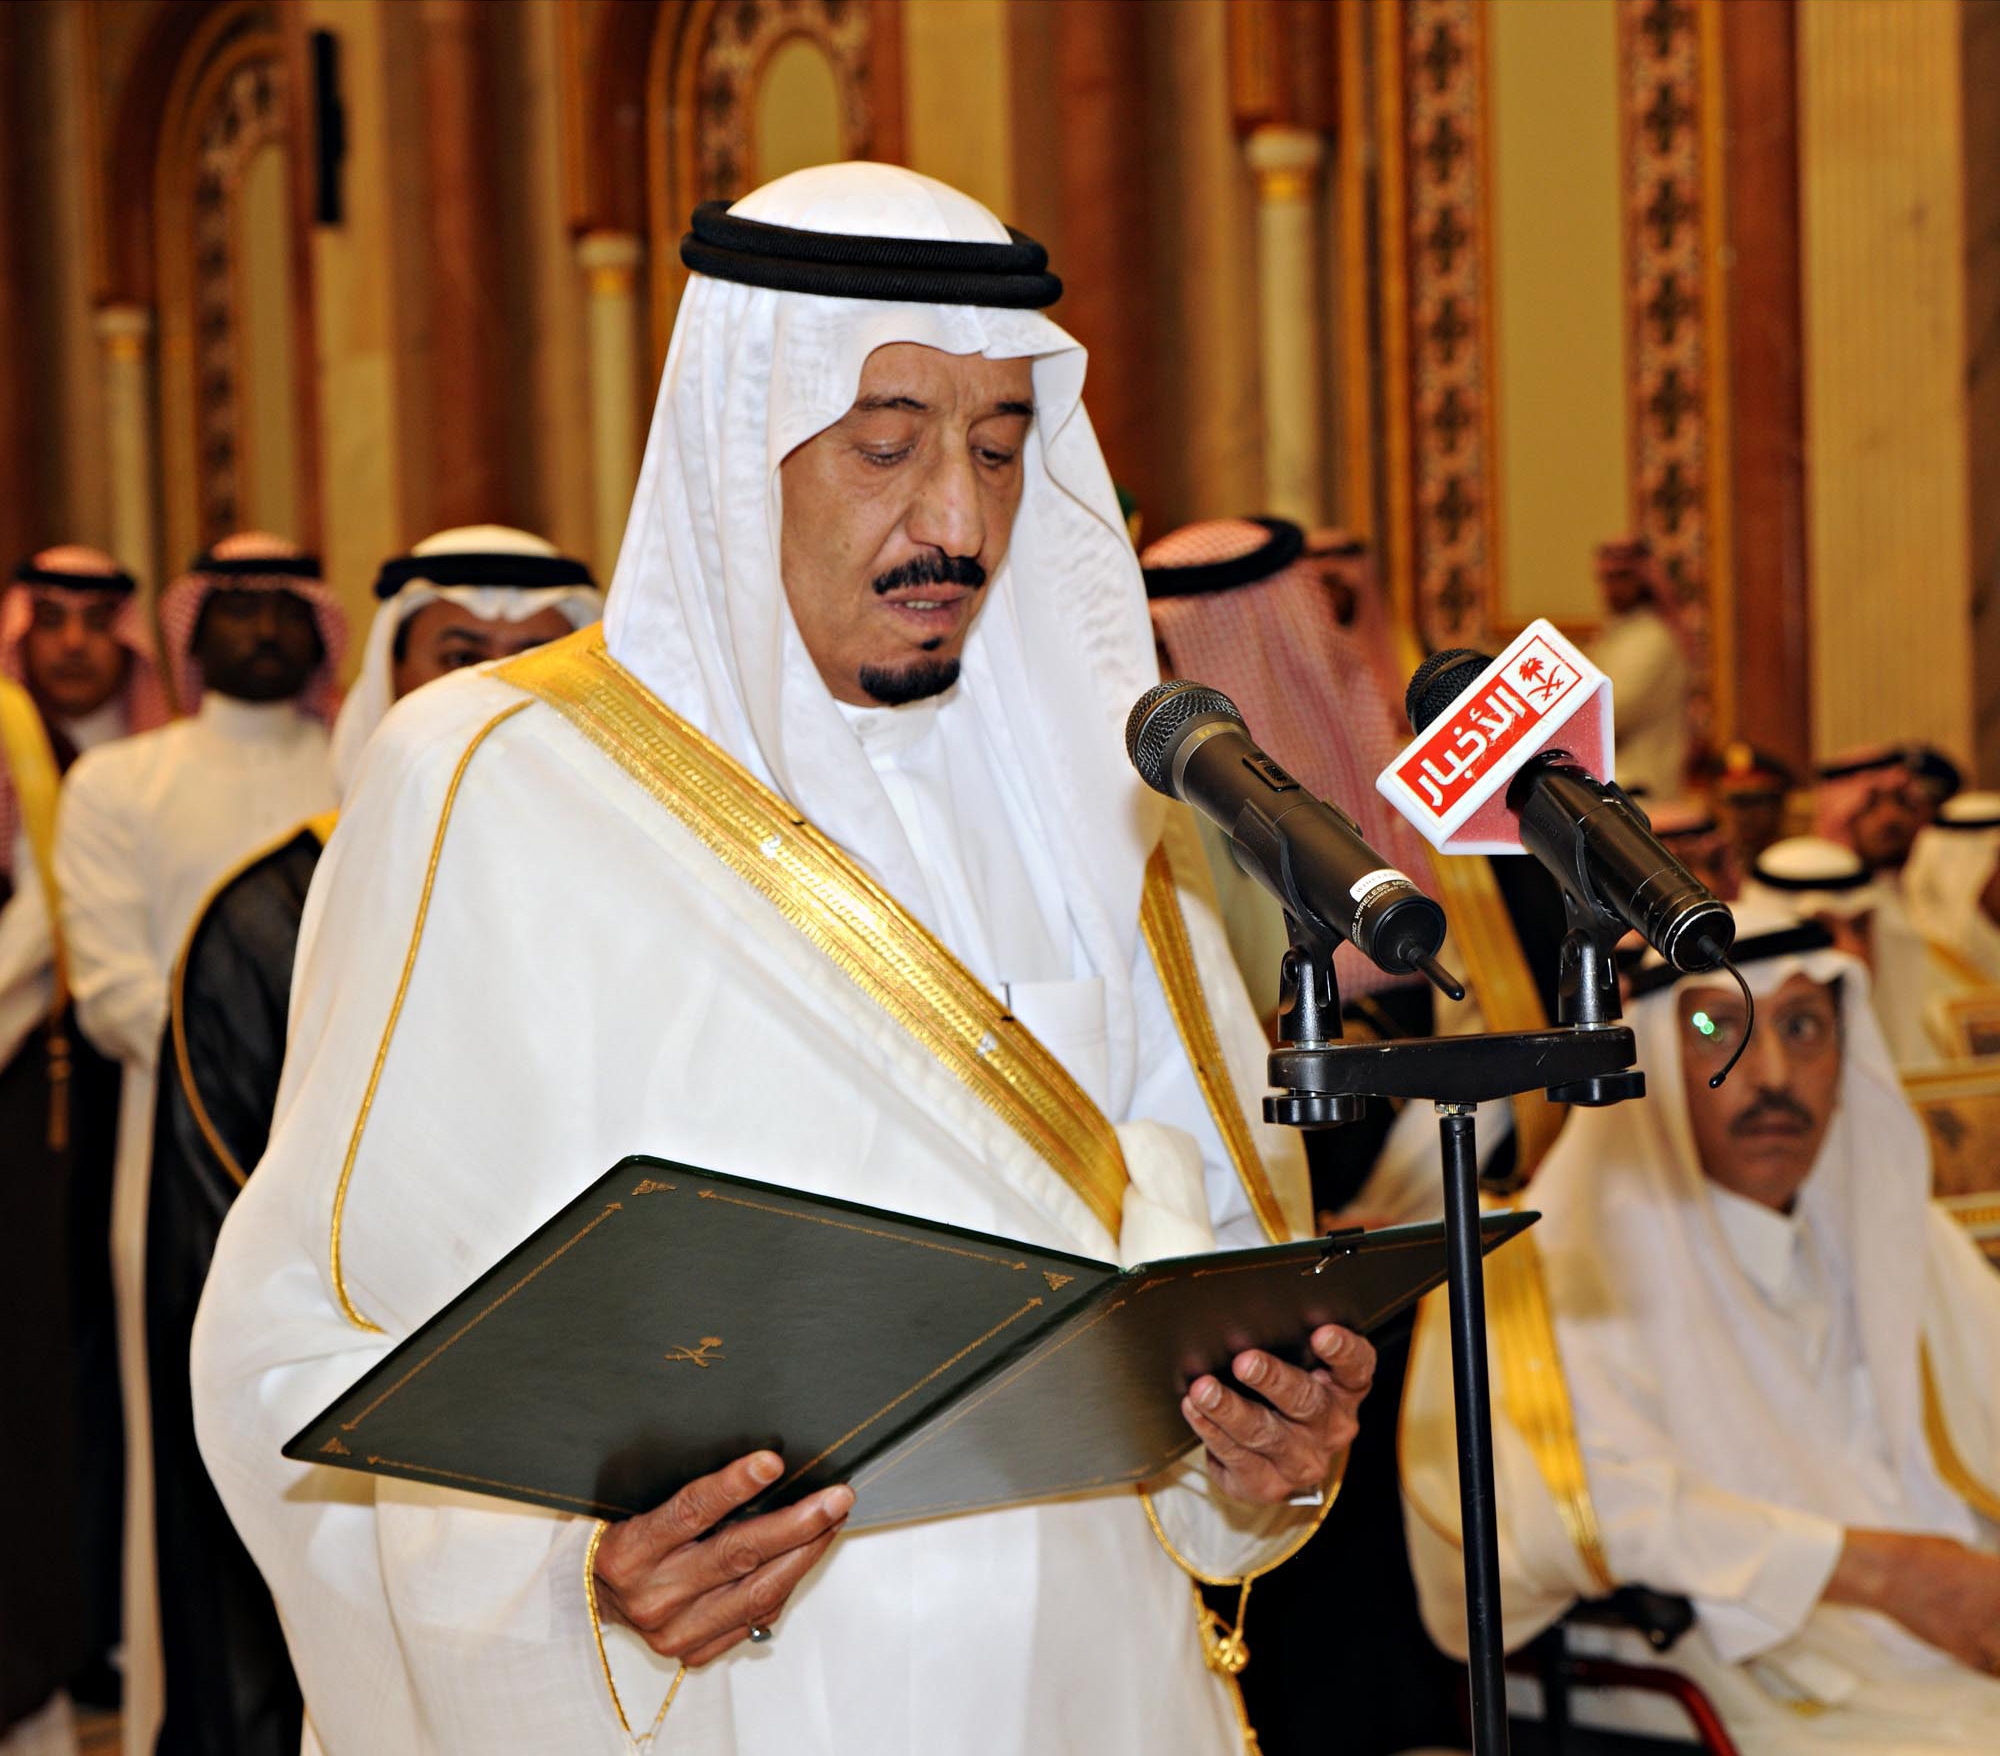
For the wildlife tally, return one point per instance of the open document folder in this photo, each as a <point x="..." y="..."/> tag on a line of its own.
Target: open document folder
<point x="669" y="1320"/>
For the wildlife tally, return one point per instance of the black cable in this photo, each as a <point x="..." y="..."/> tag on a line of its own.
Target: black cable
<point x="1749" y="1024"/>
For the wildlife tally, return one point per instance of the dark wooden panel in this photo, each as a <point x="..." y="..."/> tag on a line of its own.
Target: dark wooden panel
<point x="1766" y="358"/>
<point x="464" y="265"/>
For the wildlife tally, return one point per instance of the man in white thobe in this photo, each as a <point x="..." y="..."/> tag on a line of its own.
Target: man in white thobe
<point x="1952" y="883"/>
<point x="146" y="826"/>
<point x="1783" y="1380"/>
<point x="76" y="670"/>
<point x="1914" y="951"/>
<point x="462" y="597"/>
<point x="1640" y="651"/>
<point x="847" y="748"/>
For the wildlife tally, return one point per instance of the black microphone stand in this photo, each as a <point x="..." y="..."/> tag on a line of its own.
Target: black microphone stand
<point x="1323" y="1082"/>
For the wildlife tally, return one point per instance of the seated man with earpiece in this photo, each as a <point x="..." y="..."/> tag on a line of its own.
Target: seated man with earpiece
<point x="1746" y="1361"/>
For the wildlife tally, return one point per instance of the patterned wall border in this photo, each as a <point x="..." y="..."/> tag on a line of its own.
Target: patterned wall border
<point x="248" y="113"/>
<point x="701" y="108"/>
<point x="1441" y="471"/>
<point x="1677" y="355"/>
<point x="1451" y="541"/>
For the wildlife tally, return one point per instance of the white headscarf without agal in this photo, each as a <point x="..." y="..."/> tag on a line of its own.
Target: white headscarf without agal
<point x="1059" y="653"/>
<point x="1950" y="866"/>
<point x="374" y="691"/>
<point x="1646" y="1291"/>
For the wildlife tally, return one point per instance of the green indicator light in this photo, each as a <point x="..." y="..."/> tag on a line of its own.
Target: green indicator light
<point x="1703" y="1023"/>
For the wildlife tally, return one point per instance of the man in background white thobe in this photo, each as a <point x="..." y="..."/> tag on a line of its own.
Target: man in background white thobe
<point x="252" y="640"/>
<point x="1783" y="1373"/>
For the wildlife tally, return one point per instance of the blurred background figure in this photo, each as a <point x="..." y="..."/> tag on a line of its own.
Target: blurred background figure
<point x="1952" y="882"/>
<point x="1691" y="830"/>
<point x="1751" y="791"/>
<point x="253" y="643"/>
<point x="1640" y="649"/>
<point x="462" y="597"/>
<point x="76" y="671"/>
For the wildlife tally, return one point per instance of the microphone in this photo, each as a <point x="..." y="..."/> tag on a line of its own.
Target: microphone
<point x="1595" y="842"/>
<point x="1189" y="742"/>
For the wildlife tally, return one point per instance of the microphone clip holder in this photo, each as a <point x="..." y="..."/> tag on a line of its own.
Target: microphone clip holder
<point x="1587" y="1002"/>
<point x="1322" y="1081"/>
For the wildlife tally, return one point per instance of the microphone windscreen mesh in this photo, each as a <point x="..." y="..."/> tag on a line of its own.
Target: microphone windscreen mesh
<point x="1439" y="681"/>
<point x="1153" y="728"/>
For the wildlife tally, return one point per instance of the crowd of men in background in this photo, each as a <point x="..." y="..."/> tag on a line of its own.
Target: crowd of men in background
<point x="163" y="801"/>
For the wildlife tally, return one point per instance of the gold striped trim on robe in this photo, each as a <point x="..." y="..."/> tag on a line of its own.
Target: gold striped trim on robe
<point x="319" y="828"/>
<point x="347" y="1306"/>
<point x="846" y="915"/>
<point x="1534" y="1396"/>
<point x="1534" y="1391"/>
<point x="1944" y="1452"/>
<point x="31" y="761"/>
<point x="1165" y="929"/>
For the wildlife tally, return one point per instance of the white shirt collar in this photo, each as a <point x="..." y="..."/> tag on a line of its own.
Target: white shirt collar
<point x="99" y="726"/>
<point x="890" y="732"/>
<point x="1763" y="1241"/>
<point x="251" y="722"/>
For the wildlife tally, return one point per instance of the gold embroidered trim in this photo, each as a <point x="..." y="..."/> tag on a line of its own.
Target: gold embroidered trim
<point x="320" y="828"/>
<point x="1298" y="1542"/>
<point x="1534" y="1396"/>
<point x="1944" y="1452"/>
<point x="1535" y="1392"/>
<point x="843" y="912"/>
<point x="1166" y="935"/>
<point x="1225" y="1653"/>
<point x="597" y="1628"/>
<point x="24" y="745"/>
<point x="603" y="1657"/>
<point x="24" y="741"/>
<point x="396" y="1011"/>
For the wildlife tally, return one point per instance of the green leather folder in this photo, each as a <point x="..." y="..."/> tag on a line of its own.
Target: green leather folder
<point x="668" y="1320"/>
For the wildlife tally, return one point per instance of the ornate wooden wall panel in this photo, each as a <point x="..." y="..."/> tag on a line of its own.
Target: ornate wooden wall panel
<point x="231" y="96"/>
<point x="1434" y="97"/>
<point x="1677" y="362"/>
<point x="1440" y="496"/>
<point x="707" y="61"/>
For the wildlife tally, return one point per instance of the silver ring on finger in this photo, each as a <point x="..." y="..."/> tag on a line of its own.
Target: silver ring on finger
<point x="759" y="1634"/>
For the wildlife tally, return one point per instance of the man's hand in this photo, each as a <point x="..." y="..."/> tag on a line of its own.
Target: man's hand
<point x="1269" y="1455"/>
<point x="1937" y="1588"/>
<point x="693" y="1596"/>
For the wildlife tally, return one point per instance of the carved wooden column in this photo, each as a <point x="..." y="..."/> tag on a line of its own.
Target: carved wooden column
<point x="1773" y="672"/>
<point x="469" y="407"/>
<point x="1289" y="315"/>
<point x="1101" y="240"/>
<point x="610" y="262"/>
<point x="126" y="333"/>
<point x="1281" y="77"/>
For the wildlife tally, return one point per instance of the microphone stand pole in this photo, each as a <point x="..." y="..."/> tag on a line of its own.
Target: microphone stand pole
<point x="1323" y="1082"/>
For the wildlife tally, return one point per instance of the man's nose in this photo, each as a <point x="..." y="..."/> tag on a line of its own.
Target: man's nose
<point x="948" y="514"/>
<point x="267" y="619"/>
<point x="1767" y="1062"/>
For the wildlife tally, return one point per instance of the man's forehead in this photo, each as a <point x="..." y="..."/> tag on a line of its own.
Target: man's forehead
<point x="444" y="615"/>
<point x="1699" y="997"/>
<point x="901" y="372"/>
<point x="78" y="597"/>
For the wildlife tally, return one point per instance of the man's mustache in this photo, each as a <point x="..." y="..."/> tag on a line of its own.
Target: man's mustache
<point x="1773" y="1106"/>
<point x="932" y="570"/>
